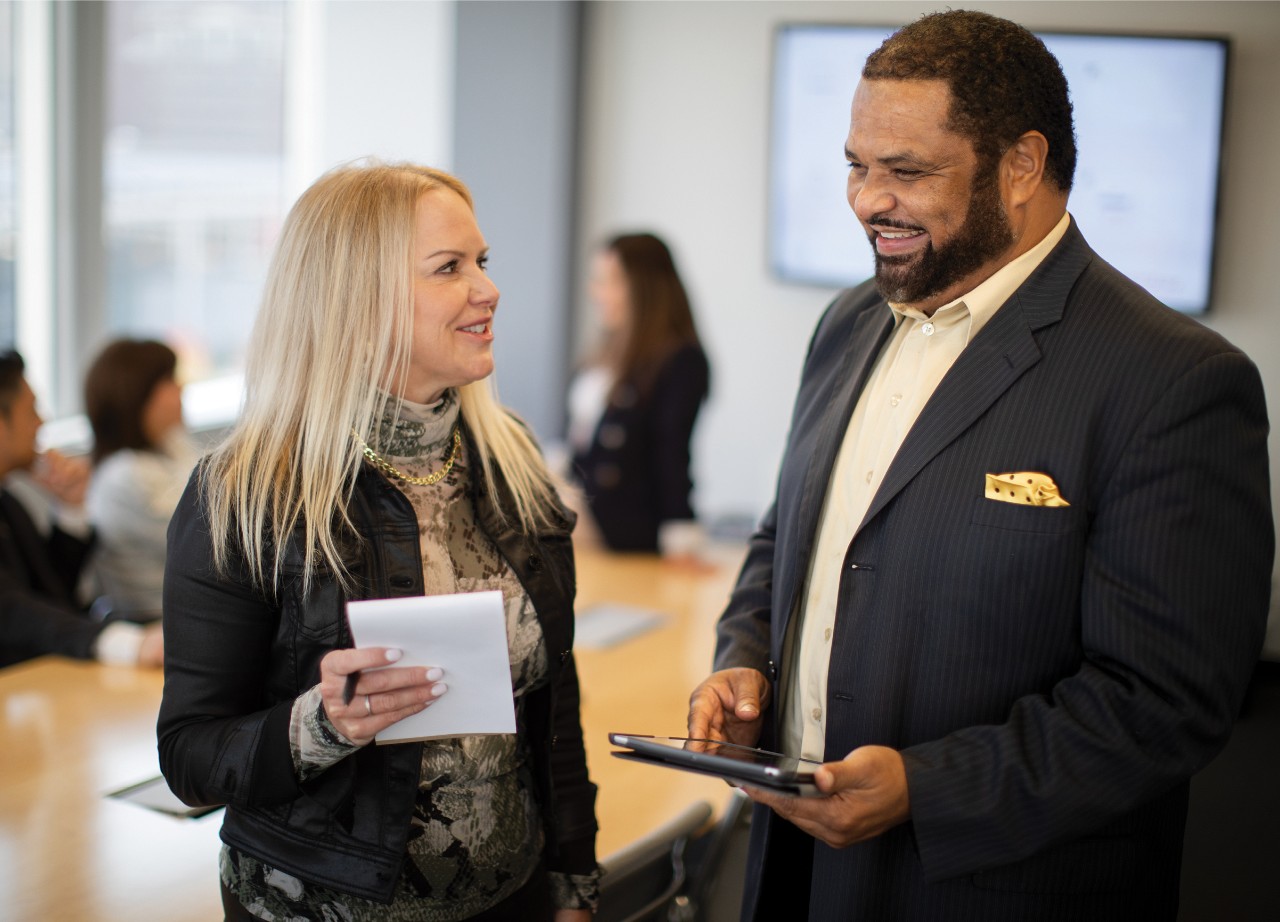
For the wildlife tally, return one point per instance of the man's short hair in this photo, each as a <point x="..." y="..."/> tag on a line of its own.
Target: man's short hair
<point x="1004" y="82"/>
<point x="11" y="371"/>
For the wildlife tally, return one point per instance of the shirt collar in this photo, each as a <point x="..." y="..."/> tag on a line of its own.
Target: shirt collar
<point x="983" y="301"/>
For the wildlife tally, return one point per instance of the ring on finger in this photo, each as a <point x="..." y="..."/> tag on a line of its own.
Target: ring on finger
<point x="368" y="706"/>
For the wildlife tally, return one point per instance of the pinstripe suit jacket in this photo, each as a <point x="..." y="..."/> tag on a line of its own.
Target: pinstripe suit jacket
<point x="1052" y="676"/>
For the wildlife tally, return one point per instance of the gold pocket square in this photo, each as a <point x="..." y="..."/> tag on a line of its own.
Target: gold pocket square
<point x="1027" y="488"/>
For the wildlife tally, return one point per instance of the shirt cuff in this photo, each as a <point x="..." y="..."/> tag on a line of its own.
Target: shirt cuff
<point x="315" y="742"/>
<point x="575" y="891"/>
<point x="681" y="538"/>
<point x="74" y="520"/>
<point x="118" y="644"/>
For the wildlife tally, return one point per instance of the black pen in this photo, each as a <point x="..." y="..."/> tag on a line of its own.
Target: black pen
<point x="349" y="689"/>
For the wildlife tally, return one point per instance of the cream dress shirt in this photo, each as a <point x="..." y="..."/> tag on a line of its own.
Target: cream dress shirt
<point x="918" y="354"/>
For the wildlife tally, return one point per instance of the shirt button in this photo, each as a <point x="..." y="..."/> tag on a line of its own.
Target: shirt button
<point x="826" y="635"/>
<point x="895" y="400"/>
<point x="817" y="713"/>
<point x="927" y="329"/>
<point x="869" y="474"/>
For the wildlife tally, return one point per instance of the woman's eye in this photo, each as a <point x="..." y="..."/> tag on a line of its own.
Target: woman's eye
<point x="483" y="263"/>
<point x="449" y="267"/>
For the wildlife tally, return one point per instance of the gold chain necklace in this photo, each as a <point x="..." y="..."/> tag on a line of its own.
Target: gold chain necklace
<point x="386" y="466"/>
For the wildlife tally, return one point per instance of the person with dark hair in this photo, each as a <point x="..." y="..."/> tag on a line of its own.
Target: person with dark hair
<point x="633" y="407"/>
<point x="142" y="459"/>
<point x="40" y="612"/>
<point x="1016" y="573"/>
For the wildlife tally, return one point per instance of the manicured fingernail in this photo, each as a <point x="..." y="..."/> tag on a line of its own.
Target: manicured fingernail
<point x="393" y="655"/>
<point x="439" y="689"/>
<point x="434" y="674"/>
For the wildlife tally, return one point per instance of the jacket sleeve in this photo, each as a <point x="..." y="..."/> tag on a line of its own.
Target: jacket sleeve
<point x="32" y="625"/>
<point x="677" y="396"/>
<point x="221" y="741"/>
<point x="1174" y="597"/>
<point x="575" y="793"/>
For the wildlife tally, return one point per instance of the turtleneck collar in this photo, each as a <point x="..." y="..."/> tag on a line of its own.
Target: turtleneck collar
<point x="413" y="430"/>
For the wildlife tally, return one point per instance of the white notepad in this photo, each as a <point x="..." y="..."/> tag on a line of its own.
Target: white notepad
<point x="465" y="634"/>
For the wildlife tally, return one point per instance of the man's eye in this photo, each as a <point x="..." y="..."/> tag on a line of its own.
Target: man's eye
<point x="908" y="174"/>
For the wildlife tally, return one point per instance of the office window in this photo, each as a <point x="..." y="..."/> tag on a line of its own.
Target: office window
<point x="192" y="170"/>
<point x="8" y="186"/>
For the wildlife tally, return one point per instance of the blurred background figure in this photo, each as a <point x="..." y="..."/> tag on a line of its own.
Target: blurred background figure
<point x="633" y="406"/>
<point x="142" y="458"/>
<point x="41" y="566"/>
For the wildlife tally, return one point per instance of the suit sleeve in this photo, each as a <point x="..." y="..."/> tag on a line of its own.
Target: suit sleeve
<point x="32" y="625"/>
<point x="1174" y="599"/>
<point x="743" y="632"/>
<point x="745" y="628"/>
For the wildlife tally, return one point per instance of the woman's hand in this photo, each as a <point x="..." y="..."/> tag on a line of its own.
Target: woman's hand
<point x="382" y="696"/>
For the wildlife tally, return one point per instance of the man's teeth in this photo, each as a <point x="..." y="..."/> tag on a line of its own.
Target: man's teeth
<point x="898" y="235"/>
<point x="478" y="328"/>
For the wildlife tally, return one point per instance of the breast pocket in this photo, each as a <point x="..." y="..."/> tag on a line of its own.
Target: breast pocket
<point x="1046" y="520"/>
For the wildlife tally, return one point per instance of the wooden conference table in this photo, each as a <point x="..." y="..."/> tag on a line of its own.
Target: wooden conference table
<point x="71" y="732"/>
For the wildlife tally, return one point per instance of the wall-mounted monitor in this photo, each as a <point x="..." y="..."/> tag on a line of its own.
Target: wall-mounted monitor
<point x="1149" y="128"/>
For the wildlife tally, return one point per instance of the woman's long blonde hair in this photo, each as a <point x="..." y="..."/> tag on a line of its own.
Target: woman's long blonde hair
<point x="332" y="337"/>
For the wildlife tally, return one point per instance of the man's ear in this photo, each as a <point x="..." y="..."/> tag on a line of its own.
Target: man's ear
<point x="1022" y="167"/>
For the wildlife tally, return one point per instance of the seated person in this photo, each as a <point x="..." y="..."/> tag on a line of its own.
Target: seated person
<point x="39" y="612"/>
<point x="633" y="407"/>
<point x="142" y="459"/>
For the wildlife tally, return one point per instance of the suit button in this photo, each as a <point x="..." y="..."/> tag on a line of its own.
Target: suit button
<point x="564" y="655"/>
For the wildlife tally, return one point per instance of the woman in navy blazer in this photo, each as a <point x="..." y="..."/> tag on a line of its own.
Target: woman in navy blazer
<point x="633" y="407"/>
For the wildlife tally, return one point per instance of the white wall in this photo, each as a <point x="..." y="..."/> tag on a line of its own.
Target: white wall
<point x="675" y="139"/>
<point x="372" y="78"/>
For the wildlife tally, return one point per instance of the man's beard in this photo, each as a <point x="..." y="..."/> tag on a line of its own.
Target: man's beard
<point x="985" y="234"/>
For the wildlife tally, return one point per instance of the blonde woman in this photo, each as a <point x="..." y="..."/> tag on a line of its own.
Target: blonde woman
<point x="371" y="460"/>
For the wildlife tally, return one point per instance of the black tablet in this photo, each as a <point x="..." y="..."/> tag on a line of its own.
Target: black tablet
<point x="735" y="764"/>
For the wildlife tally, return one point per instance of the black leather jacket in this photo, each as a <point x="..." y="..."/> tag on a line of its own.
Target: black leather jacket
<point x="236" y="659"/>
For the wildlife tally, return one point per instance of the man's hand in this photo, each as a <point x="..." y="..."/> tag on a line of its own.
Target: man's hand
<point x="66" y="478"/>
<point x="867" y="796"/>
<point x="727" y="706"/>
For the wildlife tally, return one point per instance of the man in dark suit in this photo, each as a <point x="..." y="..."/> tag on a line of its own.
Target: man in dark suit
<point x="39" y="573"/>
<point x="1017" y="569"/>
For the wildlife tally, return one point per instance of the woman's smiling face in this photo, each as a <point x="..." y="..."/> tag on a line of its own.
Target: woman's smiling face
<point x="453" y="299"/>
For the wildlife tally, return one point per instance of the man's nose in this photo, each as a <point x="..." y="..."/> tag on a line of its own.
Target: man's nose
<point x="868" y="196"/>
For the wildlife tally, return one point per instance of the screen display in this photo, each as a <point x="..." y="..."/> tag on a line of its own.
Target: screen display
<point x="1148" y="119"/>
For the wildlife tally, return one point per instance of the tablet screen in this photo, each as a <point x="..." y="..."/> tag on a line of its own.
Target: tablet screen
<point x="728" y="760"/>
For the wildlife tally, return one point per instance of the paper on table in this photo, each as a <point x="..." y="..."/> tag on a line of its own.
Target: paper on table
<point x="465" y="634"/>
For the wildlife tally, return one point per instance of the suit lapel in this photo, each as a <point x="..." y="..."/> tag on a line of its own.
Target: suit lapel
<point x="865" y="340"/>
<point x="999" y="355"/>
